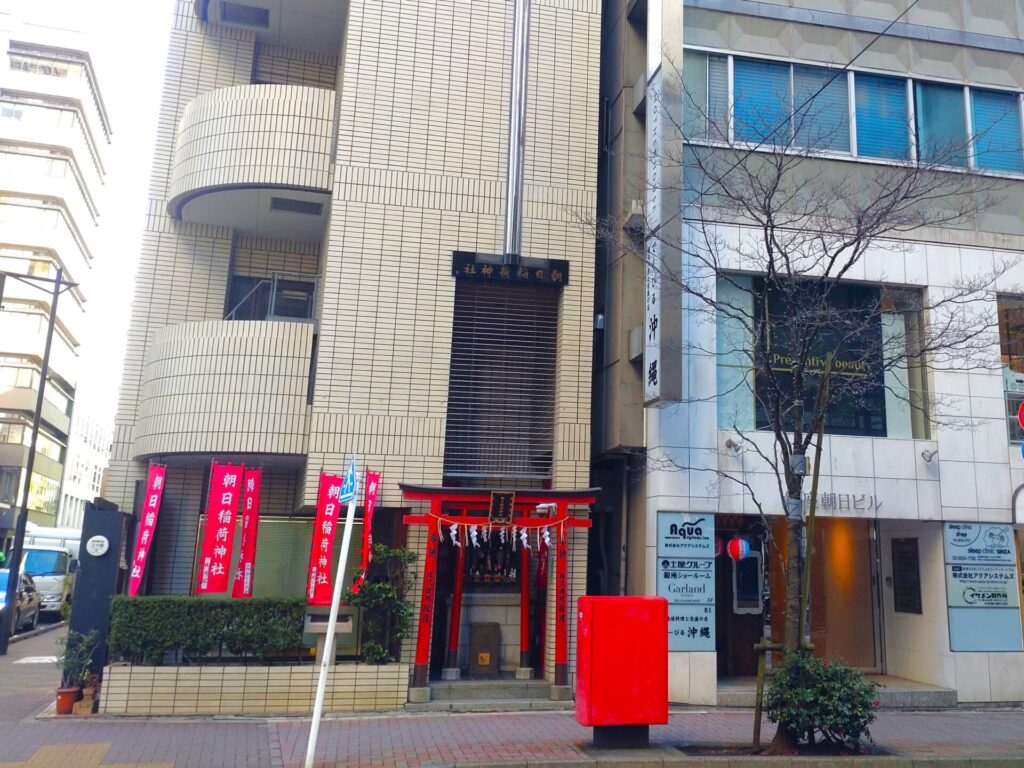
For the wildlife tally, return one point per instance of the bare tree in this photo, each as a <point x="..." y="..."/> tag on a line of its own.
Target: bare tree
<point x="770" y="244"/>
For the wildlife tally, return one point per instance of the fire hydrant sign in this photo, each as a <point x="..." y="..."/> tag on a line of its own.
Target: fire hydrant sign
<point x="686" y="578"/>
<point x="982" y="592"/>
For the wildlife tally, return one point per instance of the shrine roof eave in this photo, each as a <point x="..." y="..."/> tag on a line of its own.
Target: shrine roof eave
<point x="483" y="495"/>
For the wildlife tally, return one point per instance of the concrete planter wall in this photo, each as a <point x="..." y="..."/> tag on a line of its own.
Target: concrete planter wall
<point x="138" y="690"/>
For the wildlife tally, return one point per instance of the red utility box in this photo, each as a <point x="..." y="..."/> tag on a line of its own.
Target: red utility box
<point x="622" y="662"/>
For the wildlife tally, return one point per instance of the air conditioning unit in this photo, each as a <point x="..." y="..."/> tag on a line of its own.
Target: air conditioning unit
<point x="636" y="344"/>
<point x="635" y="222"/>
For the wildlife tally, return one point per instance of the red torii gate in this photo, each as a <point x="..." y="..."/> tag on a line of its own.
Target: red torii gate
<point x="462" y="501"/>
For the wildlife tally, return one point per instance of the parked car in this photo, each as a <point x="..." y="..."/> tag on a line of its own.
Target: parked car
<point x="27" y="601"/>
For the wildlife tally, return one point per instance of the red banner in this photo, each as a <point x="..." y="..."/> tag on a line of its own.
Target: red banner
<point x="219" y="534"/>
<point x="369" y="502"/>
<point x="242" y="585"/>
<point x="150" y="512"/>
<point x="328" y="513"/>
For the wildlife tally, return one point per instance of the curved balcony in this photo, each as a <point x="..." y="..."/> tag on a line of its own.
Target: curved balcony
<point x="256" y="158"/>
<point x="225" y="387"/>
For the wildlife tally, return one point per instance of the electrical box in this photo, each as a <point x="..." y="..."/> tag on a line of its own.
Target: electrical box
<point x="622" y="661"/>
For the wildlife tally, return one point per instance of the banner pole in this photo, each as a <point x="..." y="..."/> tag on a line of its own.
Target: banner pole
<point x="328" y="658"/>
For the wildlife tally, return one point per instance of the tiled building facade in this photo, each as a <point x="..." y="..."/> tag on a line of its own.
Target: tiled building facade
<point x="54" y="145"/>
<point x="295" y="300"/>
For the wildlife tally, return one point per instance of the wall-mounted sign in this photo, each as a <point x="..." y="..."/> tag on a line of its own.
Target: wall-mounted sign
<point x="502" y="503"/>
<point x="97" y="546"/>
<point x="981" y="587"/>
<point x="492" y="268"/>
<point x="985" y="586"/>
<point x="979" y="543"/>
<point x="686" y="578"/>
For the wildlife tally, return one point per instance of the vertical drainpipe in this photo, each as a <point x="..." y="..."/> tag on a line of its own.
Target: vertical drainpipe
<point x="516" y="132"/>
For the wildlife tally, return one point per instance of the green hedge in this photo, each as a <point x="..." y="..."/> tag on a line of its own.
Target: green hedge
<point x="147" y="629"/>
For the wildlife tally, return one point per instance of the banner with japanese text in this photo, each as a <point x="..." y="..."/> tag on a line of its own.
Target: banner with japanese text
<point x="244" y="571"/>
<point x="369" y="503"/>
<point x="328" y="512"/>
<point x="219" y="534"/>
<point x="147" y="519"/>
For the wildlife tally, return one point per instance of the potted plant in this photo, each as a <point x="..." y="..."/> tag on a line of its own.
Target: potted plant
<point x="74" y="657"/>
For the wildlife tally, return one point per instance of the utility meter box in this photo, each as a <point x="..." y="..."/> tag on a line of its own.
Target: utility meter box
<point x="622" y="665"/>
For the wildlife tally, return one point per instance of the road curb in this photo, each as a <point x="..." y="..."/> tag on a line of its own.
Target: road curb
<point x="670" y="758"/>
<point x="37" y="631"/>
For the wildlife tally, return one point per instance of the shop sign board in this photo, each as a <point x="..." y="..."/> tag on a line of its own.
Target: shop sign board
<point x="686" y="578"/>
<point x="687" y="581"/>
<point x="981" y="587"/>
<point x="979" y="544"/>
<point x="985" y="586"/>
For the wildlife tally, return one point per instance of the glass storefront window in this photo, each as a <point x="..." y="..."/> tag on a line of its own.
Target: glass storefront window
<point x="884" y="393"/>
<point x="43" y="494"/>
<point x="1011" y="349"/>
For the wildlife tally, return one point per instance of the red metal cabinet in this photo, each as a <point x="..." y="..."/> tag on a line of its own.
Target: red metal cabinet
<point x="622" y="661"/>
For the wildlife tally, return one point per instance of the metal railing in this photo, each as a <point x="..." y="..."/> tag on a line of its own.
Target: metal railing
<point x="288" y="296"/>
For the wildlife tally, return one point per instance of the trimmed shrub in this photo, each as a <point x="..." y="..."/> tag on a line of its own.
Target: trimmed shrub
<point x="820" y="702"/>
<point x="148" y="629"/>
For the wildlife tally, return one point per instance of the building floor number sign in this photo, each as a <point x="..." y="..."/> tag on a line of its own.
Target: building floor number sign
<point x="981" y="587"/>
<point x="686" y="578"/>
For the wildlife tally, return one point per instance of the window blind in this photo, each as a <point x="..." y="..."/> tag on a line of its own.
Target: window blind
<point x="501" y="387"/>
<point x="824" y="121"/>
<point x="941" y="123"/>
<point x="718" y="97"/>
<point x="996" y="122"/>
<point x="882" y="117"/>
<point x="761" y="100"/>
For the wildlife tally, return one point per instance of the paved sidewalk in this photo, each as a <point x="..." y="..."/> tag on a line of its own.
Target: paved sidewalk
<point x="411" y="740"/>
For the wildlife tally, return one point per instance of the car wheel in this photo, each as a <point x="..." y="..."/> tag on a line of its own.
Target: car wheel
<point x="35" y="620"/>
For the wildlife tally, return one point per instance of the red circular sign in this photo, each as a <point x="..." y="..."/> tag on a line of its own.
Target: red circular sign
<point x="1020" y="415"/>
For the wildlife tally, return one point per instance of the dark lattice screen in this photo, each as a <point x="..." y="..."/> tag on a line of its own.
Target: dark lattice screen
<point x="501" y="390"/>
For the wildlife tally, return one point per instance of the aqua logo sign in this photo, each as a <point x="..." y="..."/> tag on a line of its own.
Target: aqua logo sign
<point x="687" y="530"/>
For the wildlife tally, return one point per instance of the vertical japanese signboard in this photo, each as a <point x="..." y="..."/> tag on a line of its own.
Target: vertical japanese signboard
<point x="686" y="578"/>
<point x="328" y="509"/>
<point x="245" y="570"/>
<point x="982" y="592"/>
<point x="147" y="519"/>
<point x="219" y="533"/>
<point x="369" y="503"/>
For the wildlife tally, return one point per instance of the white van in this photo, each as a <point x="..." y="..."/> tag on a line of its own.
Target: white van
<point x="51" y="559"/>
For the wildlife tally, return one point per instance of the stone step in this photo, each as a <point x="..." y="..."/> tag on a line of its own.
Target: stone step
<point x="489" y="690"/>
<point x="889" y="698"/>
<point x="493" y="705"/>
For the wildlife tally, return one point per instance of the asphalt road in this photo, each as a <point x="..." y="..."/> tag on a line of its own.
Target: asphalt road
<point x="46" y="621"/>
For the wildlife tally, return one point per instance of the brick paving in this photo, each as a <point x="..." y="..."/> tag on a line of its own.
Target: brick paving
<point x="413" y="740"/>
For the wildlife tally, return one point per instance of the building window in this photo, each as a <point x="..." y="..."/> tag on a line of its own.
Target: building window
<point x="762" y="101"/>
<point x="245" y="15"/>
<point x="1011" y="347"/>
<point x="778" y="103"/>
<point x="941" y="123"/>
<point x="888" y="397"/>
<point x="10" y="480"/>
<point x="281" y="296"/>
<point x="882" y="117"/>
<point x="822" y="109"/>
<point x="39" y="65"/>
<point x="995" y="122"/>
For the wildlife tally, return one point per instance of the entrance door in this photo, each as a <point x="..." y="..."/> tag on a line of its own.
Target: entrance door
<point x="844" y="605"/>
<point x="739" y="611"/>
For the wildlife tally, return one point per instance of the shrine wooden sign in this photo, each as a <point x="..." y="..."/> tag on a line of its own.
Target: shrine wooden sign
<point x="501" y="506"/>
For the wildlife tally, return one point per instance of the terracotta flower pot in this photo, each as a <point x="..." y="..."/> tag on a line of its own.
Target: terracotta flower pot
<point x="66" y="698"/>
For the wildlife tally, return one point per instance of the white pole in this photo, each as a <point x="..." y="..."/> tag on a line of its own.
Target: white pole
<point x="327" y="661"/>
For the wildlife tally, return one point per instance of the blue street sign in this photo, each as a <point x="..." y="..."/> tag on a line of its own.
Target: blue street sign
<point x="348" y="488"/>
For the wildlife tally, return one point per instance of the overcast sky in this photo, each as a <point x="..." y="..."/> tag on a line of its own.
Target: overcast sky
<point x="127" y="40"/>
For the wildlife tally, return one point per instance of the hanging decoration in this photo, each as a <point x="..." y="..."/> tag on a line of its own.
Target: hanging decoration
<point x="453" y="531"/>
<point x="738" y="548"/>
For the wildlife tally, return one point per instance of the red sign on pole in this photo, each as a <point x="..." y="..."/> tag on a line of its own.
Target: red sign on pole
<point x="242" y="585"/>
<point x="328" y="511"/>
<point x="219" y="534"/>
<point x="370" y="501"/>
<point x="150" y="512"/>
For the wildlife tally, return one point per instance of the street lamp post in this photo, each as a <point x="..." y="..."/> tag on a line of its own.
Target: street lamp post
<point x="19" y="532"/>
